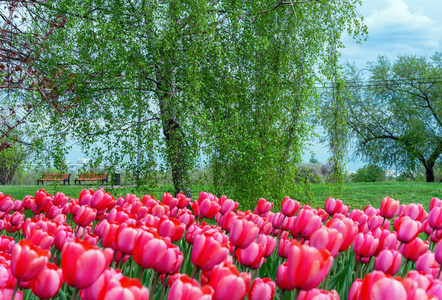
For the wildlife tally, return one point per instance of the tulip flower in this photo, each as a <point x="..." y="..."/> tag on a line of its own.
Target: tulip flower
<point x="228" y="283"/>
<point x="27" y="260"/>
<point x="289" y="207"/>
<point x="171" y="262"/>
<point x="149" y="249"/>
<point x="7" y="294"/>
<point x="48" y="282"/>
<point x="318" y="294"/>
<point x="427" y="264"/>
<point x="172" y="228"/>
<point x="333" y="206"/>
<point x="102" y="200"/>
<point x="328" y="238"/>
<point x="208" y="252"/>
<point x="388" y="261"/>
<point x="93" y="291"/>
<point x="263" y="206"/>
<point x="124" y="288"/>
<point x="125" y="238"/>
<point x="262" y="289"/>
<point x="6" y="204"/>
<point x="355" y="289"/>
<point x="306" y="223"/>
<point x="407" y="229"/>
<point x="208" y="207"/>
<point x="415" y="211"/>
<point x="435" y="218"/>
<point x="377" y="286"/>
<point x="85" y="215"/>
<point x="307" y="266"/>
<point x="17" y="218"/>
<point x="83" y="263"/>
<point x="365" y="245"/>
<point x="282" y="280"/>
<point x="389" y="207"/>
<point x="243" y="233"/>
<point x="284" y="246"/>
<point x="186" y="288"/>
<point x="227" y="205"/>
<point x="269" y="242"/>
<point x="252" y="256"/>
<point x="387" y="239"/>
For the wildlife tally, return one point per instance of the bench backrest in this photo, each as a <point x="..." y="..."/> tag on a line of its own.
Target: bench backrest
<point x="93" y="176"/>
<point x="56" y="176"/>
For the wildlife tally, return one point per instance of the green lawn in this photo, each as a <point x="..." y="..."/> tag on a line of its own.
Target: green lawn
<point x="358" y="195"/>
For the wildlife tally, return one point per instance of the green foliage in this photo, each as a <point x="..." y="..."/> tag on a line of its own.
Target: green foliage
<point x="11" y="160"/>
<point x="395" y="115"/>
<point x="369" y="173"/>
<point x="160" y="83"/>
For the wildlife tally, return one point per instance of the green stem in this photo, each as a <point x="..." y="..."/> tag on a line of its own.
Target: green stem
<point x="195" y="272"/>
<point x="154" y="285"/>
<point x="404" y="270"/>
<point x="140" y="277"/>
<point x="75" y="294"/>
<point x="296" y="294"/>
<point x="15" y="289"/>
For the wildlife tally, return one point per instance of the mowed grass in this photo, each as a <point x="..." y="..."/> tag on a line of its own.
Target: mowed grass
<point x="357" y="195"/>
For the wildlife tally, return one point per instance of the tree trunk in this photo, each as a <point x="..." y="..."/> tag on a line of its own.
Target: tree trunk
<point x="176" y="146"/>
<point x="429" y="173"/>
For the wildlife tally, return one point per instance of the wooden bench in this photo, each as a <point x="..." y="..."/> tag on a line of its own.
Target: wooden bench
<point x="92" y="177"/>
<point x="55" y="177"/>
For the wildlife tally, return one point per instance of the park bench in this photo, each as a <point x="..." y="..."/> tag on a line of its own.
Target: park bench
<point x="91" y="177"/>
<point x="55" y="177"/>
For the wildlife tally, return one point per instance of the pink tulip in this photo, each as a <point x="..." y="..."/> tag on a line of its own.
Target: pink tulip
<point x="389" y="207"/>
<point x="327" y="238"/>
<point x="377" y="286"/>
<point x="28" y="261"/>
<point x="6" y="203"/>
<point x="171" y="262"/>
<point x="183" y="201"/>
<point x="435" y="218"/>
<point x="307" y="266"/>
<point x="289" y="207"/>
<point x="438" y="252"/>
<point x="347" y="228"/>
<point x="306" y="223"/>
<point x="414" y="249"/>
<point x="228" y="283"/>
<point x="85" y="215"/>
<point x="355" y="289"/>
<point x="252" y="256"/>
<point x="243" y="233"/>
<point x="318" y="294"/>
<point x="208" y="207"/>
<point x="269" y="242"/>
<point x="427" y="264"/>
<point x="415" y="211"/>
<point x="388" y="261"/>
<point x="208" y="252"/>
<point x="263" y="206"/>
<point x="48" y="282"/>
<point x="332" y="205"/>
<point x="124" y="288"/>
<point x="227" y="204"/>
<point x="172" y="228"/>
<point x="126" y="237"/>
<point x="407" y="229"/>
<point x="262" y="289"/>
<point x="435" y="202"/>
<point x="149" y="249"/>
<point x="82" y="263"/>
<point x="365" y="245"/>
<point x="93" y="292"/>
<point x="387" y="239"/>
<point x="186" y="288"/>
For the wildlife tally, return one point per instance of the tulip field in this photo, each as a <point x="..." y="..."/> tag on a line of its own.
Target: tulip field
<point x="97" y="247"/>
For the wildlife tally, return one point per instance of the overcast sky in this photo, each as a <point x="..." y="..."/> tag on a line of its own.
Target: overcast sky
<point x="412" y="27"/>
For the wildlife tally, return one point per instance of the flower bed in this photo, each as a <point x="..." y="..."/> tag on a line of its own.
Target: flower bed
<point x="99" y="247"/>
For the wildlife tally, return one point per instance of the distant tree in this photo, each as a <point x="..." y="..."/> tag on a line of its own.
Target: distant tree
<point x="395" y="115"/>
<point x="10" y="160"/>
<point x="369" y="173"/>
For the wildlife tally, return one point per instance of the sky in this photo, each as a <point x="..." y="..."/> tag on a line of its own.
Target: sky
<point x="395" y="27"/>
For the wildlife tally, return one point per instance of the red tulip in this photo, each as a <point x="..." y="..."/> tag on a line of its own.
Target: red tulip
<point x="306" y="223"/>
<point x="263" y="206"/>
<point x="125" y="238"/>
<point x="17" y="218"/>
<point x="289" y="207"/>
<point x="282" y="280"/>
<point x="6" y="203"/>
<point x="435" y="202"/>
<point x="48" y="283"/>
<point x="355" y="289"/>
<point x="262" y="289"/>
<point x="27" y="260"/>
<point x="102" y="200"/>
<point x="7" y="294"/>
<point x="83" y="263"/>
<point x="208" y="207"/>
<point x="269" y="242"/>
<point x="227" y="204"/>
<point x="415" y="212"/>
<point x="228" y="283"/>
<point x="208" y="252"/>
<point x="186" y="288"/>
<point x="124" y="288"/>
<point x="389" y="207"/>
<point x="243" y="233"/>
<point x="186" y="217"/>
<point x="387" y="239"/>
<point x="307" y="266"/>
<point x="284" y="246"/>
<point x="388" y="261"/>
<point x="377" y="285"/>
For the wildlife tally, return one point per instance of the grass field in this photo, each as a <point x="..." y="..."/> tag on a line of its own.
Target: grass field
<point x="357" y="195"/>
